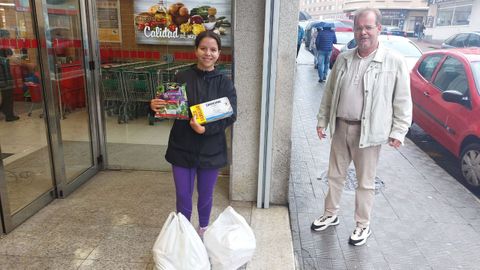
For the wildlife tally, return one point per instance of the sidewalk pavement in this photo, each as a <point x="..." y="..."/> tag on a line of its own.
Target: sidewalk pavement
<point x="422" y="217"/>
<point x="113" y="220"/>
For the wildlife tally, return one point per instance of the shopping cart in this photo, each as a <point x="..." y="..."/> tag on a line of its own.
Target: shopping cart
<point x="114" y="97"/>
<point x="139" y="91"/>
<point x="35" y="92"/>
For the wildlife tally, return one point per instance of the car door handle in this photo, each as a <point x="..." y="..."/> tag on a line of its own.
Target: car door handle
<point x="427" y="94"/>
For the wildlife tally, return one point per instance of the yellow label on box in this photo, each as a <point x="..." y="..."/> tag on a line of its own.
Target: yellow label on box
<point x="198" y="114"/>
<point x="212" y="110"/>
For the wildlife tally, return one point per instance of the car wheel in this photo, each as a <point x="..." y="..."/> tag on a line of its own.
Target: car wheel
<point x="470" y="164"/>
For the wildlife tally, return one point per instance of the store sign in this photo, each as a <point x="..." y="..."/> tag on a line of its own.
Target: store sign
<point x="394" y="14"/>
<point x="178" y="23"/>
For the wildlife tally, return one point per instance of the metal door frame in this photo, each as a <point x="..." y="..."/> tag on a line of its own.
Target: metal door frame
<point x="63" y="187"/>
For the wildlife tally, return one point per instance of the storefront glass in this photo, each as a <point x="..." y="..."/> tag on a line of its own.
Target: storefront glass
<point x="454" y="15"/>
<point x="143" y="44"/>
<point x="23" y="132"/>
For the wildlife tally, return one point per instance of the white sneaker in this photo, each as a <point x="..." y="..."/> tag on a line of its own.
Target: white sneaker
<point x="324" y="222"/>
<point x="359" y="236"/>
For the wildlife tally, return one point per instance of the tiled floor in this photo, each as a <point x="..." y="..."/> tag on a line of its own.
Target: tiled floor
<point x="112" y="221"/>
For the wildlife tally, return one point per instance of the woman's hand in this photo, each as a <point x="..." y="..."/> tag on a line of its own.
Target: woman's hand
<point x="196" y="126"/>
<point x="156" y="104"/>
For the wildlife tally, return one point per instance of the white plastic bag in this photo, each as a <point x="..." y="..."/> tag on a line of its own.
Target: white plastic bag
<point x="178" y="246"/>
<point x="230" y="241"/>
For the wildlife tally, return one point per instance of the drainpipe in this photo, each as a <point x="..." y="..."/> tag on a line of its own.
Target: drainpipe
<point x="270" y="52"/>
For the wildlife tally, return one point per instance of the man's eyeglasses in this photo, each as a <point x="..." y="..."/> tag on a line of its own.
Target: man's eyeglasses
<point x="366" y="28"/>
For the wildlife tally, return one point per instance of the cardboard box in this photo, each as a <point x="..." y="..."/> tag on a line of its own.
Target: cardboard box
<point x="211" y="111"/>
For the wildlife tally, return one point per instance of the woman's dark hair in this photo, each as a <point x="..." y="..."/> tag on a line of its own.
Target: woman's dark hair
<point x="209" y="34"/>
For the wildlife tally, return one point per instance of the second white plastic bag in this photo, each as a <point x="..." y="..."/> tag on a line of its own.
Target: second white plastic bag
<point x="230" y="241"/>
<point x="178" y="246"/>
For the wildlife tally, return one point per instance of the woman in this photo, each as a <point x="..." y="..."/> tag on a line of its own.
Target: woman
<point x="194" y="149"/>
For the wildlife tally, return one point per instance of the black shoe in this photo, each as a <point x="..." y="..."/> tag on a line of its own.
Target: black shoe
<point x="11" y="119"/>
<point x="320" y="81"/>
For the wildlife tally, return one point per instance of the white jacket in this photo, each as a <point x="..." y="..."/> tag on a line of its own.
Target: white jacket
<point x="387" y="103"/>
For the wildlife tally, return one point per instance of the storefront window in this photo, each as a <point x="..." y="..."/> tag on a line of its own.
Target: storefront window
<point x="454" y="15"/>
<point x="462" y="15"/>
<point x="143" y="44"/>
<point x="445" y="17"/>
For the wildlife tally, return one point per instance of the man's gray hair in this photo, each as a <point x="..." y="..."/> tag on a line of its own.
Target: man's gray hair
<point x="362" y="11"/>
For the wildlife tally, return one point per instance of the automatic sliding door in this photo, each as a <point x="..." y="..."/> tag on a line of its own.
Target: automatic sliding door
<point x="48" y="142"/>
<point x="26" y="178"/>
<point x="67" y="55"/>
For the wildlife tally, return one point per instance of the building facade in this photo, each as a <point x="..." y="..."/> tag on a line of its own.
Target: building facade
<point x="402" y="13"/>
<point x="323" y="9"/>
<point x="82" y="74"/>
<point x="448" y="17"/>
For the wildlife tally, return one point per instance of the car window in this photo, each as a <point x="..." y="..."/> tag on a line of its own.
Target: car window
<point x="459" y="41"/>
<point x="452" y="76"/>
<point x="352" y="44"/>
<point x="473" y="40"/>
<point x="428" y="65"/>
<point x="476" y="74"/>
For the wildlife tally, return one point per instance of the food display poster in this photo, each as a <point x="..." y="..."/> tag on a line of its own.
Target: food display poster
<point x="178" y="23"/>
<point x="108" y="16"/>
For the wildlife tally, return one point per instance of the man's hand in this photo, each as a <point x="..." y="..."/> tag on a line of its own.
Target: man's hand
<point x="156" y="104"/>
<point x="321" y="133"/>
<point x="196" y="126"/>
<point x="394" y="143"/>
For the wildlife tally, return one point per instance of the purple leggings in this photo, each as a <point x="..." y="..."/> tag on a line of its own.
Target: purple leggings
<point x="184" y="183"/>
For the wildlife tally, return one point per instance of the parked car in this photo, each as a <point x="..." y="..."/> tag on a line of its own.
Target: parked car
<point x="393" y="30"/>
<point x="445" y="87"/>
<point x="342" y="39"/>
<point x="462" y="40"/>
<point x="402" y="45"/>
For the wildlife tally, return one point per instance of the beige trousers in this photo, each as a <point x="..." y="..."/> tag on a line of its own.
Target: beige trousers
<point x="344" y="149"/>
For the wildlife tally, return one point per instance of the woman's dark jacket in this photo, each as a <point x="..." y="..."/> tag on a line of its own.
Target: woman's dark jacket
<point x="186" y="148"/>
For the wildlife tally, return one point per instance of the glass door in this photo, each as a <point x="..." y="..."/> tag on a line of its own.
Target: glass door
<point x="26" y="175"/>
<point x="68" y="73"/>
<point x="48" y="128"/>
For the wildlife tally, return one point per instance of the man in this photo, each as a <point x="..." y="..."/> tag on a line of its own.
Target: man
<point x="324" y="44"/>
<point x="415" y="29"/>
<point x="366" y="103"/>
<point x="421" y="29"/>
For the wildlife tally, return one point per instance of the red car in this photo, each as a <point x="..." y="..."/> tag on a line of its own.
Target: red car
<point x="445" y="88"/>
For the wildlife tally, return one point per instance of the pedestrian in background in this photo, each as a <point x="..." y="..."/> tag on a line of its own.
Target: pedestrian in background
<point x="312" y="46"/>
<point x="416" y="29"/>
<point x="366" y="103"/>
<point x="6" y="86"/>
<point x="421" y="31"/>
<point x="300" y="33"/>
<point x="193" y="149"/>
<point x="324" y="44"/>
